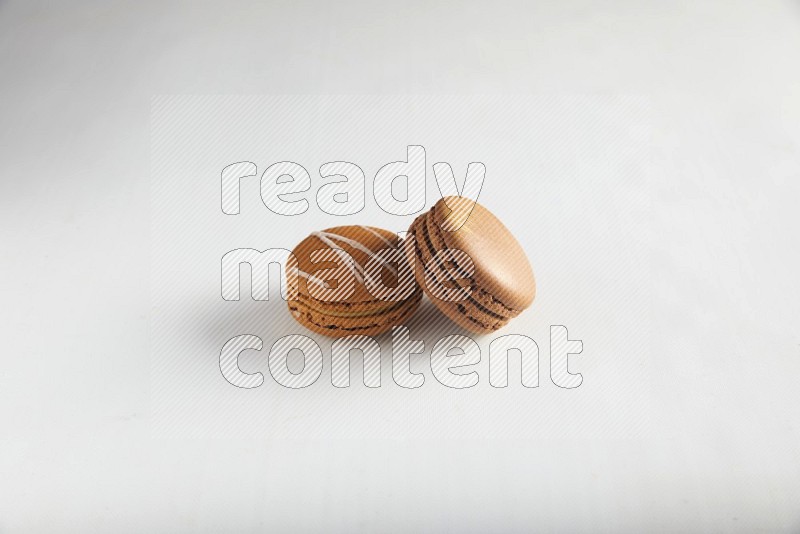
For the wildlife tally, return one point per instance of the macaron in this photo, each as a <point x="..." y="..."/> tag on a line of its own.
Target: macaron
<point x="470" y="265"/>
<point x="351" y="280"/>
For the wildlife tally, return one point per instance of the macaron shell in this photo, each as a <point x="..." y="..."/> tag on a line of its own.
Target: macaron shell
<point x="434" y="238"/>
<point x="501" y="266"/>
<point x="467" y="313"/>
<point x="361" y="298"/>
<point x="359" y="312"/>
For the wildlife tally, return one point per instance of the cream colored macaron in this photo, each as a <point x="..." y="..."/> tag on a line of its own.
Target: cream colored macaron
<point x="488" y="282"/>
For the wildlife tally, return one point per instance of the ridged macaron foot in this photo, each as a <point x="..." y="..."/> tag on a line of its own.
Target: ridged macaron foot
<point x="351" y="280"/>
<point x="500" y="283"/>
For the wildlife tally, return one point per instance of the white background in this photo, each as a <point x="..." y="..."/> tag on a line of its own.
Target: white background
<point x="722" y="447"/>
<point x="568" y="175"/>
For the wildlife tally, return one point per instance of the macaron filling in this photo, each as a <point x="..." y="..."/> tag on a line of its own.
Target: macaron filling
<point x="375" y="311"/>
<point x="324" y="320"/>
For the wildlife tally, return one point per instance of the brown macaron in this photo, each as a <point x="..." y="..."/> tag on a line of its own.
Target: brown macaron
<point x="351" y="280"/>
<point x="481" y="297"/>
